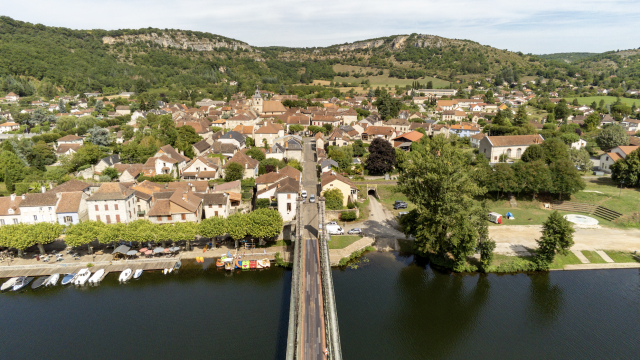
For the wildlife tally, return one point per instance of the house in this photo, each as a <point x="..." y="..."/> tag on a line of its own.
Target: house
<point x="72" y="185"/>
<point x="268" y="179"/>
<point x="399" y="125"/>
<point x="162" y="165"/>
<point x="72" y="207"/>
<point x="250" y="165"/>
<point x="327" y="165"/>
<point x="373" y="132"/>
<point x="319" y="137"/>
<point x="201" y="147"/>
<point x="9" y="126"/>
<point x="215" y="205"/>
<point x="11" y="97"/>
<point x="464" y="129"/>
<point x="475" y="139"/>
<point x="202" y="168"/>
<point x="332" y="180"/>
<point x="319" y="120"/>
<point x="179" y="206"/>
<point x="512" y="146"/>
<point x="267" y="133"/>
<point x="235" y="138"/>
<point x="122" y="110"/>
<point x="615" y="154"/>
<point x="128" y="172"/>
<point x="169" y="151"/>
<point x="272" y="108"/>
<point x="630" y="125"/>
<point x="107" y="162"/>
<point x="70" y="139"/>
<point x="579" y="144"/>
<point x="10" y="209"/>
<point x="67" y="149"/>
<point x="40" y="207"/>
<point x="112" y="203"/>
<point x="405" y="140"/>
<point x="286" y="195"/>
<point x="338" y="138"/>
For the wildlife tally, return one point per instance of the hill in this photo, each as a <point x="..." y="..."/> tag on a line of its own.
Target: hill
<point x="567" y="57"/>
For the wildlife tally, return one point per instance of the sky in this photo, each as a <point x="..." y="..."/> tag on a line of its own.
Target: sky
<point x="538" y="27"/>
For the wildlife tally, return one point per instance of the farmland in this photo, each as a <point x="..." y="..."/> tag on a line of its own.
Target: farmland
<point x="607" y="100"/>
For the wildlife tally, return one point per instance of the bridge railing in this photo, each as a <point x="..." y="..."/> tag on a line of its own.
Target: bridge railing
<point x="294" y="308"/>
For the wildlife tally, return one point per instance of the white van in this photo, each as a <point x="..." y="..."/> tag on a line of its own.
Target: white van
<point x="304" y="194"/>
<point x="334" y="230"/>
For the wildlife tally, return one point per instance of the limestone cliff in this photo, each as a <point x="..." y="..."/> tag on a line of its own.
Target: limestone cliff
<point x="179" y="40"/>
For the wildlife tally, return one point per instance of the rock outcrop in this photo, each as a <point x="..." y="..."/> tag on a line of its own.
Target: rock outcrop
<point x="178" y="40"/>
<point x="362" y="45"/>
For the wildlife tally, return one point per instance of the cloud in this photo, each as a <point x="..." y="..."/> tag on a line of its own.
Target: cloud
<point x="543" y="26"/>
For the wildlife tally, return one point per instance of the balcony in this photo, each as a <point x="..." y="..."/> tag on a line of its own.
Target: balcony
<point x="140" y="213"/>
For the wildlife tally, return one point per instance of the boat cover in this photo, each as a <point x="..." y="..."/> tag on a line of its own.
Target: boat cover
<point x="158" y="250"/>
<point x="122" y="249"/>
<point x="131" y="252"/>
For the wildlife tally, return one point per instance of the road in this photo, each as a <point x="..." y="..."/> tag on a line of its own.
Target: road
<point x="312" y="340"/>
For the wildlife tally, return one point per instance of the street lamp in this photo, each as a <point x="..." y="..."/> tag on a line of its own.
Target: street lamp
<point x="621" y="183"/>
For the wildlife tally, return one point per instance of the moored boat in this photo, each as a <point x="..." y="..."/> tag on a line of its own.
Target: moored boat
<point x="83" y="276"/>
<point x="245" y="264"/>
<point x="238" y="264"/>
<point x="137" y="273"/>
<point x="53" y="280"/>
<point x="265" y="263"/>
<point x="219" y="262"/>
<point x="253" y="264"/>
<point x="22" y="282"/>
<point x="39" y="282"/>
<point x="67" y="279"/>
<point x="97" y="276"/>
<point x="228" y="265"/>
<point x="177" y="265"/>
<point x="125" y="275"/>
<point x="9" y="283"/>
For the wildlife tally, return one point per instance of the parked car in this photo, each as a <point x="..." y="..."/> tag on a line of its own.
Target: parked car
<point x="312" y="198"/>
<point x="304" y="194"/>
<point x="335" y="230"/>
<point x="354" y="231"/>
<point x="399" y="205"/>
<point x="403" y="213"/>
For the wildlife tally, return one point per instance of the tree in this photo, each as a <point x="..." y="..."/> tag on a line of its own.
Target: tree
<point x="612" y="136"/>
<point x="555" y="150"/>
<point x="99" y="136"/>
<point x="99" y="106"/>
<point x="40" y="155"/>
<point x="82" y="233"/>
<point x="11" y="162"/>
<point x="551" y="118"/>
<point x="237" y="226"/>
<point x="111" y="172"/>
<point x="295" y="164"/>
<point x="449" y="222"/>
<point x="256" y="154"/>
<point x="561" y="110"/>
<point x="8" y="182"/>
<point x="557" y="237"/>
<point x="185" y="231"/>
<point x="264" y="223"/>
<point x="334" y="199"/>
<point x="41" y="234"/>
<point x="533" y="177"/>
<point x="61" y="107"/>
<point x="263" y="203"/>
<point x="388" y="107"/>
<point x="533" y="153"/>
<point x="569" y="138"/>
<point x="503" y="178"/>
<point x="489" y="97"/>
<point x="382" y="157"/>
<point x="521" y="117"/>
<point x="627" y="170"/>
<point x="592" y="121"/>
<point x="358" y="148"/>
<point x="581" y="159"/>
<point x="112" y="233"/>
<point x="565" y="178"/>
<point x="233" y="171"/>
<point x="212" y="227"/>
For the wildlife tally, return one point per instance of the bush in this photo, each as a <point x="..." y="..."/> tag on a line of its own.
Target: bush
<point x="348" y="216"/>
<point x="263" y="203"/>
<point x="333" y="199"/>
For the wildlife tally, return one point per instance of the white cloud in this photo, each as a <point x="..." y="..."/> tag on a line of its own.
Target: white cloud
<point x="543" y="26"/>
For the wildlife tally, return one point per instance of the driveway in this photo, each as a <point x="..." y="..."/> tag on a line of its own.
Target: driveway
<point x="381" y="225"/>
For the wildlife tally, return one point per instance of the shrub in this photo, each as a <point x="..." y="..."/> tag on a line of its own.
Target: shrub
<point x="348" y="216"/>
<point x="263" y="203"/>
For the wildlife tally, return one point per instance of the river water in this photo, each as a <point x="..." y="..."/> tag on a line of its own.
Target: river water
<point x="390" y="307"/>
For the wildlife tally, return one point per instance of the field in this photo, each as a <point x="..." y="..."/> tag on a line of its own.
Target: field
<point x="341" y="242"/>
<point x="382" y="80"/>
<point x="607" y="100"/>
<point x="388" y="197"/>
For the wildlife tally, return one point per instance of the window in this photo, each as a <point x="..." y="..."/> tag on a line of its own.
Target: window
<point x="288" y="196"/>
<point x="50" y="209"/>
<point x="15" y="221"/>
<point x="2" y="221"/>
<point x="210" y="206"/>
<point x="495" y="158"/>
<point x="159" y="218"/>
<point x="68" y="219"/>
<point x="106" y="208"/>
<point x="108" y="219"/>
<point x="35" y="217"/>
<point x="117" y="218"/>
<point x="97" y="208"/>
<point x="508" y="152"/>
<point x="184" y="216"/>
<point x="288" y="207"/>
<point x="518" y="153"/>
<point x="116" y="206"/>
<point x="216" y="214"/>
<point x="219" y="206"/>
<point x="97" y="217"/>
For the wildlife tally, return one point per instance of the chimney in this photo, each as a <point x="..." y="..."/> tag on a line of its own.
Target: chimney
<point x="43" y="189"/>
<point x="24" y="196"/>
<point x="13" y="197"/>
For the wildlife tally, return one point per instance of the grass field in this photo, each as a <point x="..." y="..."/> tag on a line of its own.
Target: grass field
<point x="607" y="100"/>
<point x="388" y="197"/>
<point x="342" y="241"/>
<point x="593" y="257"/>
<point x="384" y="79"/>
<point x="561" y="260"/>
<point x="621" y="256"/>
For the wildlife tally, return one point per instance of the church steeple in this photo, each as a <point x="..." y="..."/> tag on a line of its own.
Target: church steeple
<point x="257" y="93"/>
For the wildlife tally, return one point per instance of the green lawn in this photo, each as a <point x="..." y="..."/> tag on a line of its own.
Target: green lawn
<point x="561" y="260"/>
<point x="342" y="241"/>
<point x="593" y="257"/>
<point x="388" y="197"/>
<point x="622" y="256"/>
<point x="607" y="100"/>
<point x="279" y="243"/>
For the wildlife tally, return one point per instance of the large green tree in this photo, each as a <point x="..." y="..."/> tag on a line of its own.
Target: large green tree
<point x="449" y="221"/>
<point x="334" y="199"/>
<point x="612" y="136"/>
<point x="557" y="238"/>
<point x="264" y="224"/>
<point x="233" y="171"/>
<point x="627" y="170"/>
<point x="212" y="227"/>
<point x="565" y="178"/>
<point x="382" y="157"/>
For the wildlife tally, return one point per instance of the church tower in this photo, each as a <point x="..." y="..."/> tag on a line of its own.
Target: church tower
<point x="257" y="102"/>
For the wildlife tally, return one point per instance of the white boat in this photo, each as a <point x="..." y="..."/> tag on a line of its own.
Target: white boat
<point x="137" y="273"/>
<point x="9" y="283"/>
<point x="22" y="282"/>
<point x="68" y="279"/>
<point x="125" y="275"/>
<point x="83" y="276"/>
<point x="52" y="280"/>
<point x="165" y="271"/>
<point x="96" y="277"/>
<point x="264" y="263"/>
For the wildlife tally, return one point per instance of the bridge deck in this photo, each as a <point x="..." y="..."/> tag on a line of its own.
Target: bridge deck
<point x="312" y="341"/>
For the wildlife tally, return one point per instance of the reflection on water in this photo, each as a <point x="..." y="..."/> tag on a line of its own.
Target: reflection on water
<point x="391" y="307"/>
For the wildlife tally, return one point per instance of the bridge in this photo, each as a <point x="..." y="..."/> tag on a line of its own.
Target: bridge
<point x="313" y="319"/>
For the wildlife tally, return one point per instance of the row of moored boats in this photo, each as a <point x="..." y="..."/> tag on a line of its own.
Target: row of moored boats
<point x="231" y="262"/>
<point x="82" y="277"/>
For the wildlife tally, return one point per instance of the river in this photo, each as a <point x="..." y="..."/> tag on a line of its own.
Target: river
<point x="391" y="307"/>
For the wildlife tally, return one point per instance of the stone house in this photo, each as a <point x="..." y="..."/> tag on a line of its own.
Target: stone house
<point x="332" y="180"/>
<point x="512" y="146"/>
<point x="112" y="203"/>
<point x="250" y="165"/>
